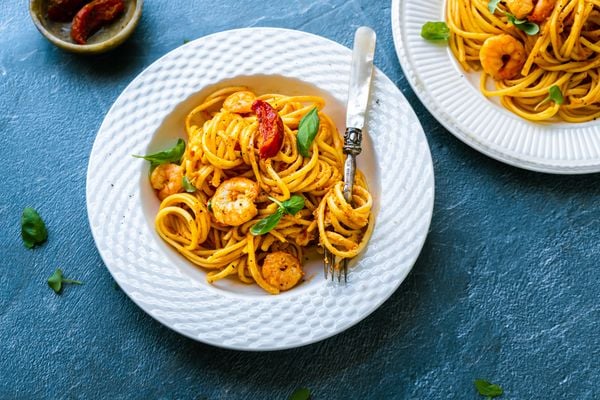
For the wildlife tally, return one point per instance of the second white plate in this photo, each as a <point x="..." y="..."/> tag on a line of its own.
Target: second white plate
<point x="453" y="97"/>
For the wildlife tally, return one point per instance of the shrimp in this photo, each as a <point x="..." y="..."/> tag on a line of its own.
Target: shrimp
<point x="520" y="8"/>
<point x="233" y="201"/>
<point x="542" y="10"/>
<point x="167" y="179"/>
<point x="282" y="270"/>
<point x="239" y="102"/>
<point x="502" y="56"/>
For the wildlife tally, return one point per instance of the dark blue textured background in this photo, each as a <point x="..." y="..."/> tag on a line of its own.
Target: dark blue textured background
<point x="506" y="288"/>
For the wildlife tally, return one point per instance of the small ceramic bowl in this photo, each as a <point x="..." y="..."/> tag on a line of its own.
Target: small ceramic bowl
<point x="107" y="38"/>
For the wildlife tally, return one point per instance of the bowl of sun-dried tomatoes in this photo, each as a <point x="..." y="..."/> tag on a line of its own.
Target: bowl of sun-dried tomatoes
<point x="86" y="26"/>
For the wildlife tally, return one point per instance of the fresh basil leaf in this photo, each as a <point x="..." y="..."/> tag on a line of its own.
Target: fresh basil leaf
<point x="556" y="95"/>
<point x="307" y="131"/>
<point x="187" y="185"/>
<point x="266" y="224"/>
<point x="300" y="394"/>
<point x="435" y="31"/>
<point x="209" y="205"/>
<point x="172" y="155"/>
<point x="57" y="279"/>
<point x="274" y="200"/>
<point x="492" y="5"/>
<point x="488" y="389"/>
<point x="530" y="28"/>
<point x="293" y="204"/>
<point x="33" y="229"/>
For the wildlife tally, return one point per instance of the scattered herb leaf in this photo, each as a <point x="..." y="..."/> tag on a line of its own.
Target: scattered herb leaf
<point x="293" y="204"/>
<point x="209" y="206"/>
<point x="300" y="394"/>
<point x="492" y="5"/>
<point x="290" y="206"/>
<point x="530" y="28"/>
<point x="172" y="155"/>
<point x="187" y="185"/>
<point x="488" y="389"/>
<point x="33" y="229"/>
<point x="57" y="279"/>
<point x="266" y="224"/>
<point x="554" y="94"/>
<point x="435" y="31"/>
<point x="186" y="41"/>
<point x="307" y="131"/>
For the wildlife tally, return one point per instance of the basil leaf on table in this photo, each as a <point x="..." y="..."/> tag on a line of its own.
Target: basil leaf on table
<point x="307" y="131"/>
<point x="57" y="279"/>
<point x="33" y="229"/>
<point x="488" y="389"/>
<point x="290" y="206"/>
<point x="435" y="31"/>
<point x="492" y="5"/>
<point x="300" y="394"/>
<point x="172" y="155"/>
<point x="187" y="185"/>
<point x="530" y="28"/>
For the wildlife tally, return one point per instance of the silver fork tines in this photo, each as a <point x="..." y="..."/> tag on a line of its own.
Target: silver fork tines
<point x="326" y="262"/>
<point x="330" y="267"/>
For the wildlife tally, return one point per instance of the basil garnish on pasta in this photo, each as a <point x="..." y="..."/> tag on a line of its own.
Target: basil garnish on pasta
<point x="33" y="229"/>
<point x="172" y="155"/>
<point x="307" y="131"/>
<point x="291" y="206"/>
<point x="492" y="5"/>
<point x="530" y="28"/>
<point x="555" y="95"/>
<point x="435" y="31"/>
<point x="187" y="185"/>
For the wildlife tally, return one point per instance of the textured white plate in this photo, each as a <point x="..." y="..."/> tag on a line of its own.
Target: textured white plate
<point x="149" y="116"/>
<point x="453" y="97"/>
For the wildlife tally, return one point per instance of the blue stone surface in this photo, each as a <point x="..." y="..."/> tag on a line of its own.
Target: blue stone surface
<point x="507" y="287"/>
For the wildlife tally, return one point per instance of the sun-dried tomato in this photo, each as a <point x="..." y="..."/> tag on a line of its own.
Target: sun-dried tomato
<point x="64" y="10"/>
<point x="270" y="128"/>
<point x="93" y="16"/>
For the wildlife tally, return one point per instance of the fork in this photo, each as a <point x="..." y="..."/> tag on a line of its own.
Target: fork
<point x="358" y="98"/>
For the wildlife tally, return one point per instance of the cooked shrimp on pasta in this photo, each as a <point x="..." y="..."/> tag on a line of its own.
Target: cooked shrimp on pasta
<point x="259" y="182"/>
<point x="543" y="55"/>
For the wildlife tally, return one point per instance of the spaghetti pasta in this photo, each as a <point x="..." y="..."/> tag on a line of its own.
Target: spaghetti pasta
<point x="565" y="54"/>
<point x="234" y="186"/>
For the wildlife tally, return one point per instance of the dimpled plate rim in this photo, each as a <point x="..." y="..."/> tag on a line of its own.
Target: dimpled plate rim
<point x="446" y="91"/>
<point x="144" y="272"/>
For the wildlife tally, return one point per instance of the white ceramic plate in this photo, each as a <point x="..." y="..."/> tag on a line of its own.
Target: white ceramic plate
<point x="148" y="116"/>
<point x="453" y="97"/>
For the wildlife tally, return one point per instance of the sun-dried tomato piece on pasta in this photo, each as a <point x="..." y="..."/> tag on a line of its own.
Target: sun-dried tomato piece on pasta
<point x="270" y="127"/>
